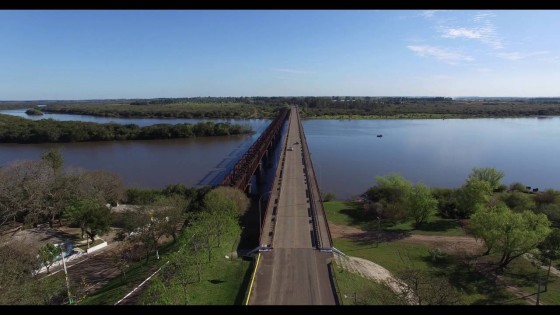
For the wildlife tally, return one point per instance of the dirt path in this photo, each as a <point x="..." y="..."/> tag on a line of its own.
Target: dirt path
<point x="537" y="262"/>
<point x="448" y="244"/>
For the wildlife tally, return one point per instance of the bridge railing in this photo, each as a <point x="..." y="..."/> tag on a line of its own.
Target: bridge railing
<point x="316" y="202"/>
<point x="276" y="189"/>
<point x="242" y="171"/>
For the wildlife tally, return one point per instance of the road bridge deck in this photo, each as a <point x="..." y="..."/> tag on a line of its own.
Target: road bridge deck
<point x="294" y="271"/>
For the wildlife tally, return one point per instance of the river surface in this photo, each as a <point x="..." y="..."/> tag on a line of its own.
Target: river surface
<point x="347" y="154"/>
<point x="145" y="163"/>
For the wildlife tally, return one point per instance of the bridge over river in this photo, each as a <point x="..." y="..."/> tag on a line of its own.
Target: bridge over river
<point x="295" y="242"/>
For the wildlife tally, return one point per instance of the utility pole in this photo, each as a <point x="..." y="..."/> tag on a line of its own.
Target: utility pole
<point x="66" y="275"/>
<point x="378" y="230"/>
<point x="539" y="290"/>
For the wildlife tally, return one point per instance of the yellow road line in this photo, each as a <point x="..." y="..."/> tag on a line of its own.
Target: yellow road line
<point x="253" y="279"/>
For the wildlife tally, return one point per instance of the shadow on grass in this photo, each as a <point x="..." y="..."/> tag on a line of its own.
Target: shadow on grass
<point x="137" y="273"/>
<point x="373" y="238"/>
<point x="439" y="225"/>
<point x="355" y="211"/>
<point x="249" y="222"/>
<point x="53" y="233"/>
<point x="240" y="297"/>
<point x="524" y="279"/>
<point x="468" y="280"/>
<point x="216" y="281"/>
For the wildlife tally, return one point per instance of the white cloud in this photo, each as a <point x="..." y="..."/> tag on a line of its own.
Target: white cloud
<point x="442" y="54"/>
<point x="483" y="30"/>
<point x="429" y="13"/>
<point x="515" y="55"/>
<point x="483" y="16"/>
<point x="462" y="32"/>
<point x="294" y="71"/>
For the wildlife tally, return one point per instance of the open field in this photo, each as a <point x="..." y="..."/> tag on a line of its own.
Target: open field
<point x="456" y="258"/>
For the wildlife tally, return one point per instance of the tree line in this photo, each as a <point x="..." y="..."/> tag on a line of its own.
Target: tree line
<point x="151" y="109"/>
<point x="20" y="130"/>
<point x="211" y="233"/>
<point x="510" y="220"/>
<point x="266" y="107"/>
<point x="44" y="192"/>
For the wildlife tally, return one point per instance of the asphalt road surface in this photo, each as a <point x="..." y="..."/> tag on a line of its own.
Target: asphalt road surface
<point x="294" y="272"/>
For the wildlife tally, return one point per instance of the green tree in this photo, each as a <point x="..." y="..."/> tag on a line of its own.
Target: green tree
<point x="475" y="192"/>
<point x="518" y="201"/>
<point x="447" y="203"/>
<point x="517" y="186"/>
<point x="483" y="224"/>
<point x="488" y="174"/>
<point x="550" y="249"/>
<point x="547" y="197"/>
<point x="513" y="234"/>
<point x="48" y="255"/>
<point x="421" y="203"/>
<point x="91" y="215"/>
<point x="53" y="158"/>
<point x="329" y="197"/>
<point x="552" y="211"/>
<point x="421" y="287"/>
<point x="17" y="266"/>
<point x="170" y="214"/>
<point x="393" y="188"/>
<point x="224" y="205"/>
<point x="226" y="199"/>
<point x="121" y="257"/>
<point x="146" y="225"/>
<point x="389" y="197"/>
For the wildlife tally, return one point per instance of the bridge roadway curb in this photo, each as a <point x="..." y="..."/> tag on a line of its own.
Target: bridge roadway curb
<point x="253" y="278"/>
<point x="268" y="225"/>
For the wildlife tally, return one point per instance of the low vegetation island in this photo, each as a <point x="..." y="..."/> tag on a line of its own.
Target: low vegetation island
<point x="332" y="107"/>
<point x="20" y="130"/>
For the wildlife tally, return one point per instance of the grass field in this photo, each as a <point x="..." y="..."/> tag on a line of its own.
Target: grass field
<point x="223" y="283"/>
<point x="223" y="280"/>
<point x="117" y="288"/>
<point x="356" y="290"/>
<point x="525" y="276"/>
<point x="396" y="256"/>
<point x="350" y="213"/>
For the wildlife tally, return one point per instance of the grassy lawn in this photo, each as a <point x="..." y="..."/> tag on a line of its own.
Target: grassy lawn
<point x="524" y="275"/>
<point x="474" y="288"/>
<point x="395" y="256"/>
<point x="117" y="288"/>
<point x="344" y="213"/>
<point x="351" y="213"/>
<point x="433" y="226"/>
<point x="223" y="283"/>
<point x="356" y="290"/>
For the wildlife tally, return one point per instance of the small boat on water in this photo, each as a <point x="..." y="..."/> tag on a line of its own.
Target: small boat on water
<point x="379" y="136"/>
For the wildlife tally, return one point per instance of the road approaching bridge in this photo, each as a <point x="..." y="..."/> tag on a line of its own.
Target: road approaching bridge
<point x="293" y="268"/>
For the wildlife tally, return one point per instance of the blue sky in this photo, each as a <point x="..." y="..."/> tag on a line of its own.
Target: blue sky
<point x="92" y="54"/>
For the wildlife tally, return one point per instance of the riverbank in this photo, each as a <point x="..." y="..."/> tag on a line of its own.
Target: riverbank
<point x="21" y="130"/>
<point x="173" y="110"/>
